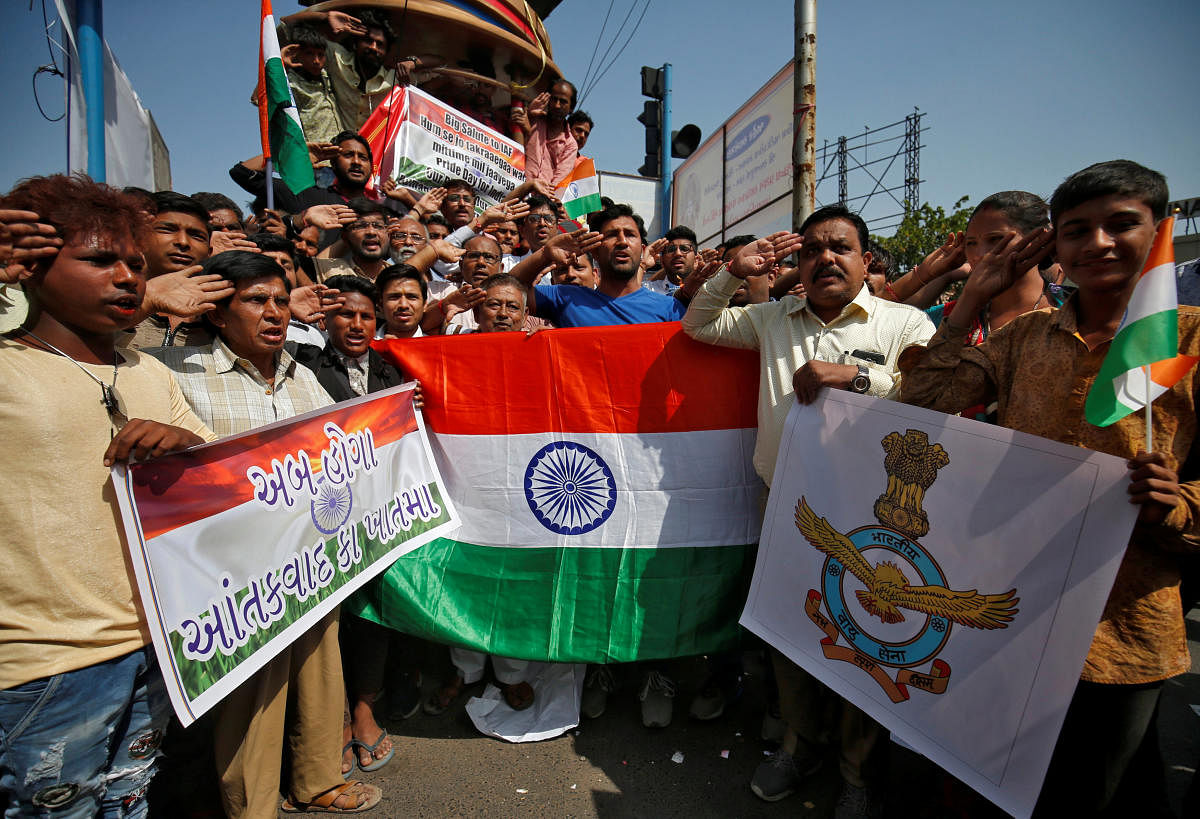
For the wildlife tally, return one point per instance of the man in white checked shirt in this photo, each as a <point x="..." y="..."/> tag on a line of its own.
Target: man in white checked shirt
<point x="243" y="380"/>
<point x="838" y="336"/>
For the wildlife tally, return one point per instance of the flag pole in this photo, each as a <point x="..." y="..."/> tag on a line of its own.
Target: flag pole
<point x="271" y="186"/>
<point x="1149" y="438"/>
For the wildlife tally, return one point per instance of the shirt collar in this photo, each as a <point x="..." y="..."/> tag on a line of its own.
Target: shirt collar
<point x="225" y="361"/>
<point x="361" y="360"/>
<point x="863" y="302"/>
<point x="1065" y="318"/>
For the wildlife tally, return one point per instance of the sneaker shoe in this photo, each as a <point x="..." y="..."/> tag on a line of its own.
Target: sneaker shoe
<point x="858" y="803"/>
<point x="715" y="696"/>
<point x="658" y="700"/>
<point x="773" y="726"/>
<point x="405" y="697"/>
<point x="597" y="685"/>
<point x="778" y="775"/>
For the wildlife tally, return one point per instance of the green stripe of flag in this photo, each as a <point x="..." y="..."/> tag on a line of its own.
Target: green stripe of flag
<point x="289" y="151"/>
<point x="1145" y="341"/>
<point x="582" y="206"/>
<point x="565" y="605"/>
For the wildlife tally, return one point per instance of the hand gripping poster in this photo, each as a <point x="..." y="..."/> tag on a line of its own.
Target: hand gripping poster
<point x="239" y="546"/>
<point x="944" y="575"/>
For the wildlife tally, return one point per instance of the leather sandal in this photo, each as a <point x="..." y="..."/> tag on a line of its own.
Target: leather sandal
<point x="365" y="797"/>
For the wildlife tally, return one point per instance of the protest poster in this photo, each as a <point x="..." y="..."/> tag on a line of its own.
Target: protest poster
<point x="423" y="143"/>
<point x="944" y="575"/>
<point x="608" y="500"/>
<point x="240" y="545"/>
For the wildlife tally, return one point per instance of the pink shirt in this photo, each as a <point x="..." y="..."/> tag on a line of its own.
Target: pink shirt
<point x="549" y="159"/>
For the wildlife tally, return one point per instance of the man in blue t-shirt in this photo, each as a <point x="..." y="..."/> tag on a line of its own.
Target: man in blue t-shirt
<point x="616" y="243"/>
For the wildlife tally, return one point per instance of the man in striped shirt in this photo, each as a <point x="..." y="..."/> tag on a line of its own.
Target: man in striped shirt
<point x="243" y="380"/>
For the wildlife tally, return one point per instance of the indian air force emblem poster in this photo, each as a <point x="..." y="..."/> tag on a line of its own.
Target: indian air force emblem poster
<point x="944" y="575"/>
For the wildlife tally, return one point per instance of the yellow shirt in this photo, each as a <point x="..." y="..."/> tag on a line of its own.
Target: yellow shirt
<point x="67" y="591"/>
<point x="788" y="335"/>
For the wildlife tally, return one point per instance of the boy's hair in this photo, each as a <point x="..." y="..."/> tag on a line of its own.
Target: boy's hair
<point x="1027" y="211"/>
<point x="217" y="201"/>
<point x="302" y="34"/>
<point x="236" y="266"/>
<point x="357" y="137"/>
<point x="883" y="259"/>
<point x="172" y="202"/>
<point x="401" y="271"/>
<point x="596" y="221"/>
<point x="505" y="279"/>
<point x="831" y="212"/>
<point x="273" y="243"/>
<point x="1118" y="176"/>
<point x="681" y="232"/>
<point x="348" y="282"/>
<point x="79" y="207"/>
<point x="434" y="218"/>
<point x="580" y="116"/>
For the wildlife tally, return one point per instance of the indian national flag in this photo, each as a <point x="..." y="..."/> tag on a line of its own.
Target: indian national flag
<point x="603" y="477"/>
<point x="282" y="135"/>
<point x="1148" y="337"/>
<point x="580" y="191"/>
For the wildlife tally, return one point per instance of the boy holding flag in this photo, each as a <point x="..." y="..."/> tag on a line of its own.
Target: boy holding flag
<point x="1040" y="368"/>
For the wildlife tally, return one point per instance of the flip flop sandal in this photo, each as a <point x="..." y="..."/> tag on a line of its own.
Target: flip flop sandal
<point x="366" y="797"/>
<point x="347" y="747"/>
<point x="519" y="696"/>
<point x="376" y="764"/>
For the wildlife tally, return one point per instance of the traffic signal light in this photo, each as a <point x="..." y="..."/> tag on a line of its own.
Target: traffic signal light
<point x="651" y="117"/>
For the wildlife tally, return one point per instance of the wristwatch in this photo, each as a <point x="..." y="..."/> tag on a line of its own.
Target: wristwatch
<point x="861" y="382"/>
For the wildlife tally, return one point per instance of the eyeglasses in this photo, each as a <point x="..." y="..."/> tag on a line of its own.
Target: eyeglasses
<point x="534" y="218"/>
<point x="459" y="197"/>
<point x="489" y="258"/>
<point x="678" y="249"/>
<point x="363" y="224"/>
<point x="400" y="236"/>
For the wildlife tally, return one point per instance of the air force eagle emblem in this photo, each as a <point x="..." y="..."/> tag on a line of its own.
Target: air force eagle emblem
<point x="885" y="591"/>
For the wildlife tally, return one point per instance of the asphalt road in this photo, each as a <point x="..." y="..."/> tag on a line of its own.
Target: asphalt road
<point x="613" y="767"/>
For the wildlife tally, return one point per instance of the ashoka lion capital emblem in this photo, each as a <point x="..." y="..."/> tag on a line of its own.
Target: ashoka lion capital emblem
<point x="879" y="625"/>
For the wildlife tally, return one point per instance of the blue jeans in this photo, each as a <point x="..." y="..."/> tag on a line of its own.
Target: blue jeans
<point x="83" y="743"/>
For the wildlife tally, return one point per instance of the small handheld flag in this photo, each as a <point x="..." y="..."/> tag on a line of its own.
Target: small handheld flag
<point x="580" y="191"/>
<point x="1146" y="341"/>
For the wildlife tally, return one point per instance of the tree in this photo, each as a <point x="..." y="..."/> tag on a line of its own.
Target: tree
<point x="923" y="230"/>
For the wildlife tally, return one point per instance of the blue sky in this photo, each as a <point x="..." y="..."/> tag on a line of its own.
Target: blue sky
<point x="1017" y="95"/>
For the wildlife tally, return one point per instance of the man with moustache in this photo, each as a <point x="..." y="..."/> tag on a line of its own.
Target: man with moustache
<point x="480" y="262"/>
<point x="368" y="242"/>
<point x="616" y="242"/>
<point x="407" y="236"/>
<point x="350" y="160"/>
<point x="246" y="379"/>
<point x="678" y="260"/>
<point x="837" y="336"/>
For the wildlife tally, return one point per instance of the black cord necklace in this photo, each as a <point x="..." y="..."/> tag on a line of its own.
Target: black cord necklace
<point x="108" y="392"/>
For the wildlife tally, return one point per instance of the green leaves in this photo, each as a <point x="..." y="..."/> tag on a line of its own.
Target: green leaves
<point x="923" y="230"/>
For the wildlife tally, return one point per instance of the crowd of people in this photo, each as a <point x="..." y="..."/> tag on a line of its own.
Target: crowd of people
<point x="140" y="323"/>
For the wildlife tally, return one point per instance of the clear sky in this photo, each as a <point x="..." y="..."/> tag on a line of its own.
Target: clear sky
<point x="1017" y="95"/>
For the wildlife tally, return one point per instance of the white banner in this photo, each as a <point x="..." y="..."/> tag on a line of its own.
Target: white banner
<point x="945" y="576"/>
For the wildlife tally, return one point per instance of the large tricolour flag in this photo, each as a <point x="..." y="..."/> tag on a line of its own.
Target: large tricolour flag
<point x="1148" y="337"/>
<point x="604" y="481"/>
<point x="282" y="135"/>
<point x="580" y="191"/>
